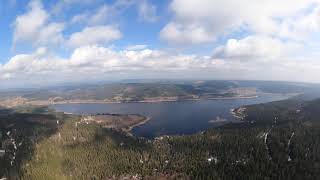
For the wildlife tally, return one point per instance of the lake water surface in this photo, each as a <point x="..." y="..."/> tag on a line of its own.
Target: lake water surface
<point x="168" y="118"/>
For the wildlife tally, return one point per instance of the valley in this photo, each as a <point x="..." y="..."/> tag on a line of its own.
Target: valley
<point x="273" y="138"/>
<point x="145" y="92"/>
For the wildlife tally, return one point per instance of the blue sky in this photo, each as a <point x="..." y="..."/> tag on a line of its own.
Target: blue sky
<point x="127" y="39"/>
<point x="135" y="30"/>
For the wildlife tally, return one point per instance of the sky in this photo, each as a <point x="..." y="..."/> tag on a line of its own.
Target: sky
<point x="47" y="42"/>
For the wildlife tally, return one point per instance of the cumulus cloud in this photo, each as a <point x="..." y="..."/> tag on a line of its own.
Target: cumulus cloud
<point x="94" y="35"/>
<point x="191" y="34"/>
<point x="33" y="26"/>
<point x="27" y="65"/>
<point x="202" y="21"/>
<point x="98" y="60"/>
<point x="257" y="40"/>
<point x="128" y="60"/>
<point x="257" y="47"/>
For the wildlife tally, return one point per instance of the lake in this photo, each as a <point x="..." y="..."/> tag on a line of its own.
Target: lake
<point x="173" y="118"/>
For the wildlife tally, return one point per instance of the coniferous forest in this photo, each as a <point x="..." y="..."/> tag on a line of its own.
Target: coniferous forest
<point x="278" y="140"/>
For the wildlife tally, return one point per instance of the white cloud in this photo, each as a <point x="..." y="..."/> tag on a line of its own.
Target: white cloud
<point x="33" y="26"/>
<point x="106" y="59"/>
<point x="268" y="37"/>
<point x="255" y="47"/>
<point x="301" y="27"/>
<point x="184" y="35"/>
<point x="136" y="47"/>
<point x="205" y="20"/>
<point x="25" y="25"/>
<point x="266" y="40"/>
<point x="27" y="65"/>
<point x="98" y="62"/>
<point x="50" y="34"/>
<point x="94" y="35"/>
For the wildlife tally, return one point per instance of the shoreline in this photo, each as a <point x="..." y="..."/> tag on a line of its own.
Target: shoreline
<point x="130" y="128"/>
<point x="168" y="99"/>
<point x="239" y="113"/>
<point x="126" y="128"/>
<point x="141" y="101"/>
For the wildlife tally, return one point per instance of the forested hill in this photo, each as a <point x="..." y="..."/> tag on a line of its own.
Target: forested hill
<point x="154" y="91"/>
<point x="278" y="140"/>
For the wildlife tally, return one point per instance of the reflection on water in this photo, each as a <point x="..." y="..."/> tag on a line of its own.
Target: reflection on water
<point x="183" y="117"/>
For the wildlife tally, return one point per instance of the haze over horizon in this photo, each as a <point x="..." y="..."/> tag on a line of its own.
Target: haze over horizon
<point x="51" y="42"/>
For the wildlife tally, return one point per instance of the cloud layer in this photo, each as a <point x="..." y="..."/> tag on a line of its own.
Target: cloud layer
<point x="34" y="26"/>
<point x="213" y="18"/>
<point x="275" y="40"/>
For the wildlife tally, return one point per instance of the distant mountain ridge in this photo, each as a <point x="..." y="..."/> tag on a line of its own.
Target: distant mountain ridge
<point x="154" y="91"/>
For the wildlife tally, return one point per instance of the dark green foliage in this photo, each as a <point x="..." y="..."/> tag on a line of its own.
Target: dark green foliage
<point x="235" y="151"/>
